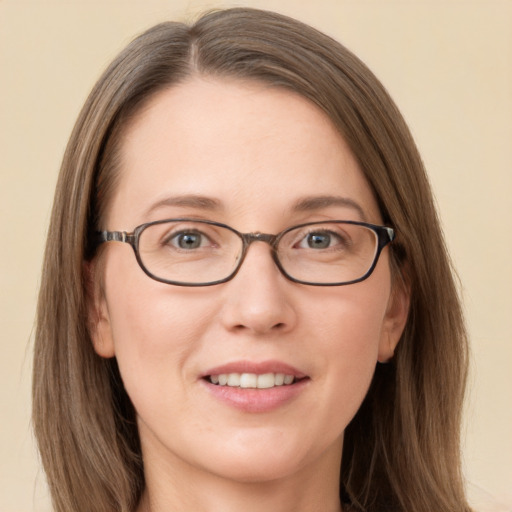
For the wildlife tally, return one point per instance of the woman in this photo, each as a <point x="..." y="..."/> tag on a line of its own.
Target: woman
<point x="202" y="369"/>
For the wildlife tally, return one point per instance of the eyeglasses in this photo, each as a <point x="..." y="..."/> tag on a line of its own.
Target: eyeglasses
<point x="189" y="252"/>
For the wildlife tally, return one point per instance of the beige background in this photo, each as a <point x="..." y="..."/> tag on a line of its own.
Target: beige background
<point x="448" y="64"/>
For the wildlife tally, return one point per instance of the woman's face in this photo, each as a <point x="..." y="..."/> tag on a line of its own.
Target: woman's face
<point x="259" y="159"/>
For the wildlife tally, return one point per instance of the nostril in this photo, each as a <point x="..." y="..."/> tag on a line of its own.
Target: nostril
<point x="280" y="326"/>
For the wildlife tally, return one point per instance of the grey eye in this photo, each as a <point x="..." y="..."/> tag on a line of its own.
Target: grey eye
<point x="318" y="240"/>
<point x="188" y="240"/>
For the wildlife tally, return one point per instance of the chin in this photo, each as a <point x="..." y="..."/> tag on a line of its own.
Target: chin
<point x="264" y="470"/>
<point x="273" y="459"/>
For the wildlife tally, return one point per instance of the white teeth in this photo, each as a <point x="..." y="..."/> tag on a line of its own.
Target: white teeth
<point x="252" y="380"/>
<point x="234" y="380"/>
<point x="288" y="379"/>
<point x="248" y="380"/>
<point x="267" y="380"/>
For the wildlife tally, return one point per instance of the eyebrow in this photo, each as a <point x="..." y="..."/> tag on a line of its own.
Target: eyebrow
<point x="319" y="202"/>
<point x="304" y="204"/>
<point x="187" y="201"/>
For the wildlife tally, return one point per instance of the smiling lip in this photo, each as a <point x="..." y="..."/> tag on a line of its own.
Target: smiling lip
<point x="257" y="368"/>
<point x="252" y="399"/>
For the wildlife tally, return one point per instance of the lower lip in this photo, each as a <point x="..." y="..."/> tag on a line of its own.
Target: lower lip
<point x="256" y="400"/>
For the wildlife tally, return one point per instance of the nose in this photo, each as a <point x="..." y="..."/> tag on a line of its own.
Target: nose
<point x="258" y="300"/>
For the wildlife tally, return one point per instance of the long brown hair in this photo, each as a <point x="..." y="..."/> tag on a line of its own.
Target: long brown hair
<point x="401" y="451"/>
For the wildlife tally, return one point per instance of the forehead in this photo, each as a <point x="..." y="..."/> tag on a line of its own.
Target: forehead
<point x="250" y="147"/>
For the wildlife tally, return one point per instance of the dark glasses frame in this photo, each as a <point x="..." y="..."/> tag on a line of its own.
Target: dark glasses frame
<point x="385" y="235"/>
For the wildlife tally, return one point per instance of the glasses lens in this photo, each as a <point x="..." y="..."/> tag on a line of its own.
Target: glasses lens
<point x="189" y="252"/>
<point x="328" y="253"/>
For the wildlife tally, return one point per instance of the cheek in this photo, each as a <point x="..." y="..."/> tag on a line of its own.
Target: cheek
<point x="347" y="336"/>
<point x="350" y="345"/>
<point x="155" y="328"/>
<point x="144" y="313"/>
<point x="350" y="319"/>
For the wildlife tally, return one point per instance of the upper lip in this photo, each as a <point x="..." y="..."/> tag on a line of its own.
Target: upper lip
<point x="259" y="368"/>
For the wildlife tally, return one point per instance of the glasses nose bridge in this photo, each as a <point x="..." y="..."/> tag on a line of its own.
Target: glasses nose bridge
<point x="249" y="238"/>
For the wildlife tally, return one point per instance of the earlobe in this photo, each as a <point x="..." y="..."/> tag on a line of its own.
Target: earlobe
<point x="98" y="318"/>
<point x="394" y="320"/>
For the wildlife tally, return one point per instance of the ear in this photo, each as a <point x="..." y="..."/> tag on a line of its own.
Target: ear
<point x="98" y="318"/>
<point x="395" y="319"/>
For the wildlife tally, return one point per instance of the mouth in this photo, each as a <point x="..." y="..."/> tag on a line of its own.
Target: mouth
<point x="255" y="387"/>
<point x="252" y="380"/>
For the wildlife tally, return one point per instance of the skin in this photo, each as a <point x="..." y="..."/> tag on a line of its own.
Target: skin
<point x="256" y="151"/>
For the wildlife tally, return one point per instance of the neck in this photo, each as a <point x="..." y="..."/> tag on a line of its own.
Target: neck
<point x="249" y="498"/>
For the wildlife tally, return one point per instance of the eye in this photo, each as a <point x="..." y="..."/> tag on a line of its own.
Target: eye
<point x="188" y="240"/>
<point x="320" y="240"/>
